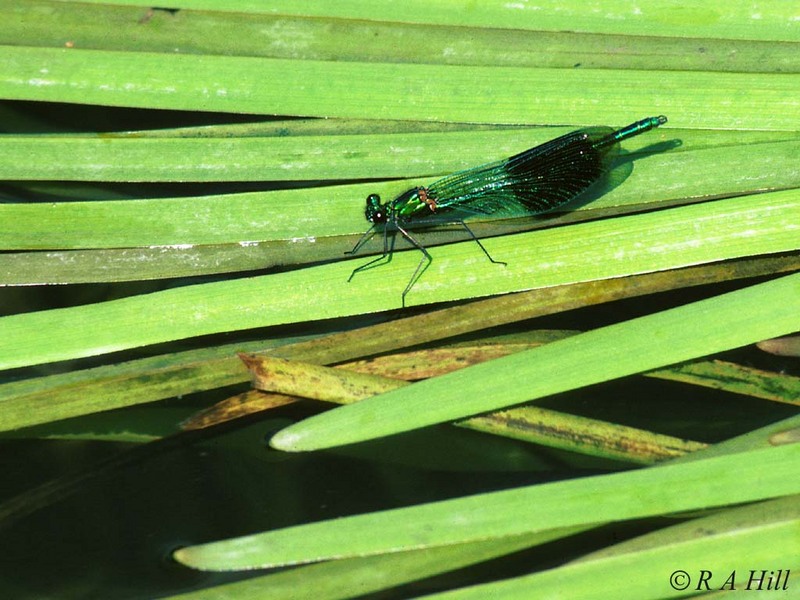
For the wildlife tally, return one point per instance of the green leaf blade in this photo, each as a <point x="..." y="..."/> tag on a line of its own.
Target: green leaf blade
<point x="441" y="93"/>
<point x="720" y="323"/>
<point x="538" y="508"/>
<point x="659" y="240"/>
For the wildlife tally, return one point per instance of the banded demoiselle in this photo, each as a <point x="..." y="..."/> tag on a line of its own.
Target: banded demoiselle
<point x="532" y="182"/>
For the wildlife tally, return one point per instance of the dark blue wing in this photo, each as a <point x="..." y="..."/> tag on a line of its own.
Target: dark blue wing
<point x="533" y="181"/>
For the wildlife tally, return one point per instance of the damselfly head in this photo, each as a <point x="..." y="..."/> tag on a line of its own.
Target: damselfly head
<point x="375" y="211"/>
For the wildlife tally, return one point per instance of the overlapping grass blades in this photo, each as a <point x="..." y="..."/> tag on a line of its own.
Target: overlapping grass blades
<point x="458" y="77"/>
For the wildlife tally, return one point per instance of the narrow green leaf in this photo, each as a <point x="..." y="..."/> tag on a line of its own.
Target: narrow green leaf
<point x="737" y="379"/>
<point x="748" y="516"/>
<point x="774" y="20"/>
<point x="342" y="579"/>
<point x="345" y="385"/>
<point x="720" y="323"/>
<point x="81" y="392"/>
<point x="731" y="549"/>
<point x="48" y="23"/>
<point x="157" y="261"/>
<point x="293" y="158"/>
<point x="308" y="224"/>
<point x="593" y="500"/>
<point x="658" y="240"/>
<point x="45" y="399"/>
<point x="407" y="91"/>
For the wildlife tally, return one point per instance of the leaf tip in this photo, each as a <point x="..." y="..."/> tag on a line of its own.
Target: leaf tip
<point x="289" y="440"/>
<point x="183" y="557"/>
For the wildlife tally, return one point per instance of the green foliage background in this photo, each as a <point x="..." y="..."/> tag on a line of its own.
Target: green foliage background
<point x="311" y="106"/>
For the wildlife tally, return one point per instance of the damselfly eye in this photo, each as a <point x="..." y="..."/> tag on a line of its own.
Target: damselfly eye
<point x="375" y="216"/>
<point x="374" y="210"/>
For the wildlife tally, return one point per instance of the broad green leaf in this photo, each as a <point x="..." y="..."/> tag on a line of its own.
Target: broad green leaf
<point x="45" y="399"/>
<point x="409" y="155"/>
<point x="294" y="158"/>
<point x="728" y="321"/>
<point x="399" y="91"/>
<point x="173" y="237"/>
<point x="342" y="578"/>
<point x="48" y="23"/>
<point x="774" y="20"/>
<point x="578" y="502"/>
<point x="81" y="392"/>
<point x="348" y="384"/>
<point x="729" y="549"/>
<point x="658" y="240"/>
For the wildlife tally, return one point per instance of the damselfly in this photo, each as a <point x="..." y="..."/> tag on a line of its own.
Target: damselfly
<point x="532" y="182"/>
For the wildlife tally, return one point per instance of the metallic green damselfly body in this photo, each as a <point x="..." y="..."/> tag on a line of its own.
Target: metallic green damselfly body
<point x="532" y="182"/>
